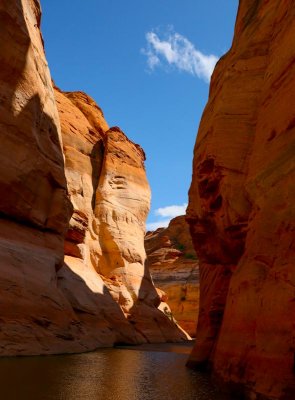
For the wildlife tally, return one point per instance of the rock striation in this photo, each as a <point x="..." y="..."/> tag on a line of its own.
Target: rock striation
<point x="241" y="208"/>
<point x="34" y="207"/>
<point x="172" y="261"/>
<point x="101" y="292"/>
<point x="105" y="243"/>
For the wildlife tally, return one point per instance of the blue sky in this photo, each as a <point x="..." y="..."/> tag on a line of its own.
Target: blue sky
<point x="147" y="64"/>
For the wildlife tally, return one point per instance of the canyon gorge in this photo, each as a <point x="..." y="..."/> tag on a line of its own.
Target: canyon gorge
<point x="241" y="208"/>
<point x="78" y="269"/>
<point x="65" y="174"/>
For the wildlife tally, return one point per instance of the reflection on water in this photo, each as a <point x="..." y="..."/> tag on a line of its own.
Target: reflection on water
<point x="110" y="374"/>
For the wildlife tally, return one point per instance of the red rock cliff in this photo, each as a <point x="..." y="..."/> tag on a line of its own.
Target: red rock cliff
<point x="174" y="267"/>
<point x="101" y="293"/>
<point x="241" y="207"/>
<point x="105" y="243"/>
<point x="34" y="208"/>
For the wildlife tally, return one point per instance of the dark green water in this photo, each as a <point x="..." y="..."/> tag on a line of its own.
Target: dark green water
<point x="148" y="373"/>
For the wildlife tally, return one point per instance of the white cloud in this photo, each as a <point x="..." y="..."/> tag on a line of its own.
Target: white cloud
<point x="165" y="214"/>
<point x="152" y="59"/>
<point x="179" y="52"/>
<point x="152" y="226"/>
<point x="171" y="211"/>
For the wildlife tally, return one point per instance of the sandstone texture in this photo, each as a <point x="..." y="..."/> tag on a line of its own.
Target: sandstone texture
<point x="34" y="207"/>
<point x="101" y="293"/>
<point x="105" y="243"/>
<point x="241" y="208"/>
<point x="174" y="267"/>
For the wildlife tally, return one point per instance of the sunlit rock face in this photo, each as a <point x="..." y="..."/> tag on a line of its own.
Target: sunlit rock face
<point x="241" y="207"/>
<point x="101" y="292"/>
<point x="105" y="242"/>
<point x="174" y="267"/>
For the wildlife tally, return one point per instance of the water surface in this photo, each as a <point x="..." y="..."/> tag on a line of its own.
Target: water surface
<point x="138" y="373"/>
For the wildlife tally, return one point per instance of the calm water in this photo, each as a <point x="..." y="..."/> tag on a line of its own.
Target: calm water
<point x="110" y="374"/>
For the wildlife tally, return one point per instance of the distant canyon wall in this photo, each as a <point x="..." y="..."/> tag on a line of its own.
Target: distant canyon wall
<point x="174" y="267"/>
<point x="241" y="208"/>
<point x="95" y="194"/>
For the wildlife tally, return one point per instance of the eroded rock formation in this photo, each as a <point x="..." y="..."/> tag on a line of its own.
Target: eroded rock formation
<point x="174" y="267"/>
<point x="105" y="243"/>
<point x="241" y="207"/>
<point x="34" y="207"/>
<point x="102" y="293"/>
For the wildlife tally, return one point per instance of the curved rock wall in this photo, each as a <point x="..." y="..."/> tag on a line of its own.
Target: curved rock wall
<point x="101" y="293"/>
<point x="241" y="209"/>
<point x="105" y="242"/>
<point x="34" y="208"/>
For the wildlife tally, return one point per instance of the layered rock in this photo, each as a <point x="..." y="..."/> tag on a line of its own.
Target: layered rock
<point x="174" y="267"/>
<point x="105" y="243"/>
<point x="34" y="208"/>
<point x="241" y="208"/>
<point x="102" y="293"/>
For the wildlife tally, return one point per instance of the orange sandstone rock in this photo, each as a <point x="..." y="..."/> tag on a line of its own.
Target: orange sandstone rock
<point x="34" y="208"/>
<point x="101" y="293"/>
<point x="241" y="209"/>
<point x="105" y="242"/>
<point x="174" y="267"/>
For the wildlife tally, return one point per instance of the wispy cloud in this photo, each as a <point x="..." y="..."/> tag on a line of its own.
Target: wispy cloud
<point x="171" y="211"/>
<point x="152" y="226"/>
<point x="164" y="216"/>
<point x="177" y="51"/>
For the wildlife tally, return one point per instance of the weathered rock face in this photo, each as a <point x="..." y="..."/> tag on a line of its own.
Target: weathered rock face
<point x="174" y="267"/>
<point x="105" y="243"/>
<point x="102" y="293"/>
<point x="241" y="210"/>
<point x="34" y="207"/>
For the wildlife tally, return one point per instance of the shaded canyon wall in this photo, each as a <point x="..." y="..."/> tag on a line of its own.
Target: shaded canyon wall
<point x="241" y="208"/>
<point x="34" y="207"/>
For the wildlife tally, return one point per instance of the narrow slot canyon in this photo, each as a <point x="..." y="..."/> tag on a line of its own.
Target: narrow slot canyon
<point x="196" y="305"/>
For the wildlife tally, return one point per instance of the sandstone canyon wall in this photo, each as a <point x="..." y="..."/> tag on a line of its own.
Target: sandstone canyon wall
<point x="34" y="206"/>
<point x="241" y="208"/>
<point x="105" y="242"/>
<point x="172" y="261"/>
<point x="101" y="293"/>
